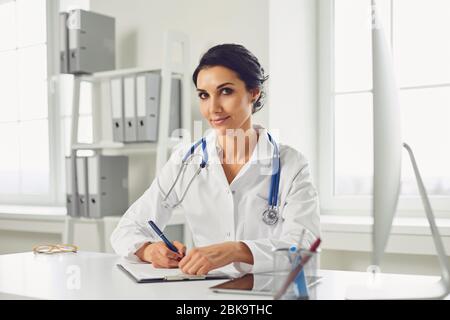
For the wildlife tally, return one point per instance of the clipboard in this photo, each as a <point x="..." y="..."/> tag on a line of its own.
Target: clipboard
<point x="146" y="273"/>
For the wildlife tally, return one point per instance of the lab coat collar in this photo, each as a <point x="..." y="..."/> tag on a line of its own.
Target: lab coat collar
<point x="262" y="154"/>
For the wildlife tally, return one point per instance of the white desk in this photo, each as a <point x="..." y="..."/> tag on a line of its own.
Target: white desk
<point x="49" y="277"/>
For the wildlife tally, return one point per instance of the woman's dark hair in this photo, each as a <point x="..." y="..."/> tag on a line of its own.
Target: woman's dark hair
<point x="237" y="58"/>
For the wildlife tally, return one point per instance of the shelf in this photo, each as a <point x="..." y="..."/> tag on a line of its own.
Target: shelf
<point x="132" y="148"/>
<point x="103" y="134"/>
<point x="99" y="76"/>
<point x="119" y="148"/>
<point x="98" y="146"/>
<point x="177" y="218"/>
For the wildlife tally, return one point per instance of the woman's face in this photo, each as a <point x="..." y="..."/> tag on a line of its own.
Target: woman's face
<point x="224" y="99"/>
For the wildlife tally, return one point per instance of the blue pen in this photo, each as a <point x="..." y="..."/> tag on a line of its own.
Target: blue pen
<point x="162" y="236"/>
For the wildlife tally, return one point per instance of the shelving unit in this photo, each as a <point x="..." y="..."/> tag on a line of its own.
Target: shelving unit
<point x="102" y="130"/>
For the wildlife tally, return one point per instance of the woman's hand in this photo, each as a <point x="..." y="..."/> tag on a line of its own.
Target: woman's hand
<point x="202" y="260"/>
<point x="160" y="255"/>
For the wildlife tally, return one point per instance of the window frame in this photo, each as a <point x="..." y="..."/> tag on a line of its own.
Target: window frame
<point x="55" y="196"/>
<point x="408" y="206"/>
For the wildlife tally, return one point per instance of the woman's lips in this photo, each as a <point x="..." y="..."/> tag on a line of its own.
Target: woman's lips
<point x="220" y="121"/>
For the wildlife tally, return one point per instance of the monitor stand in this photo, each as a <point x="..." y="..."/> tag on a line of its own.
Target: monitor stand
<point x="388" y="287"/>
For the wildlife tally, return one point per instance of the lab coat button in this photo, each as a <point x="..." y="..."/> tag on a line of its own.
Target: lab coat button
<point x="233" y="192"/>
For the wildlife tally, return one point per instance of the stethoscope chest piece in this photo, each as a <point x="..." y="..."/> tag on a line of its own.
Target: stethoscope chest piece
<point x="270" y="216"/>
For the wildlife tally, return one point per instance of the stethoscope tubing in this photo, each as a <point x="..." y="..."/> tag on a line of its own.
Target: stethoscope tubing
<point x="274" y="182"/>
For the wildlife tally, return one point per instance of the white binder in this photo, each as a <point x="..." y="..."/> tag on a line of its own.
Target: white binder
<point x="175" y="106"/>
<point x="117" y="109"/>
<point x="148" y="88"/>
<point x="82" y="184"/>
<point x="107" y="185"/>
<point x="63" y="43"/>
<point x="69" y="186"/>
<point x="130" y="109"/>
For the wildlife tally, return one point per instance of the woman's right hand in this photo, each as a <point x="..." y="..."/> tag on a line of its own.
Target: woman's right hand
<point x="160" y="255"/>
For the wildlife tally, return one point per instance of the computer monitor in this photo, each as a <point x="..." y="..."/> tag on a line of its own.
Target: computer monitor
<point x="388" y="148"/>
<point x="387" y="141"/>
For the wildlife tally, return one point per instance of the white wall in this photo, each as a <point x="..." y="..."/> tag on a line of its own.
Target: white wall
<point x="66" y="5"/>
<point x="391" y="263"/>
<point x="16" y="241"/>
<point x="139" y="33"/>
<point x="140" y="25"/>
<point x="19" y="233"/>
<point x="293" y="83"/>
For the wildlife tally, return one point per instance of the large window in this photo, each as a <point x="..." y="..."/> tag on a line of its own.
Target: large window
<point x="418" y="32"/>
<point x="26" y="159"/>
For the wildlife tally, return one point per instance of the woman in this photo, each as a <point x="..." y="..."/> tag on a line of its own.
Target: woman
<point x="226" y="203"/>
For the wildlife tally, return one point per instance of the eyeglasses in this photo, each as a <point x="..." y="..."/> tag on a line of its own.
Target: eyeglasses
<point x="55" y="248"/>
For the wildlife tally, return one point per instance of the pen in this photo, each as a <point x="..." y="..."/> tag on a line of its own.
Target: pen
<point x="293" y="274"/>
<point x="296" y="247"/>
<point x="298" y="259"/>
<point x="162" y="236"/>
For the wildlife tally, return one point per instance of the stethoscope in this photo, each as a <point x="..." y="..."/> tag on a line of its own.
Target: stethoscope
<point x="270" y="216"/>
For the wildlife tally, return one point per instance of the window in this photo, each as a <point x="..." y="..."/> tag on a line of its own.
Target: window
<point x="28" y="154"/>
<point x="417" y="31"/>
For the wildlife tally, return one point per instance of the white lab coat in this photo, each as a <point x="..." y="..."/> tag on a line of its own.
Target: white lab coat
<point x="217" y="211"/>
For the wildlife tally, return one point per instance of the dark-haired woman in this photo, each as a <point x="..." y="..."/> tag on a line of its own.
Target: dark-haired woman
<point x="242" y="193"/>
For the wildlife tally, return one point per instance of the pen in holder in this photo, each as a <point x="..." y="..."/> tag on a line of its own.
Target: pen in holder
<point x="285" y="261"/>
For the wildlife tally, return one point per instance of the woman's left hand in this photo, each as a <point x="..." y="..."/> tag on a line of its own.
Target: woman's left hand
<point x="204" y="259"/>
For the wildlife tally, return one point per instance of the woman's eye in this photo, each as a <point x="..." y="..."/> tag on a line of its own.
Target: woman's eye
<point x="203" y="95"/>
<point x="227" y="91"/>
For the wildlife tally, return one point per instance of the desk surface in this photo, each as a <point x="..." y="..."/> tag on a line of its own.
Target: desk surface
<point x="89" y="275"/>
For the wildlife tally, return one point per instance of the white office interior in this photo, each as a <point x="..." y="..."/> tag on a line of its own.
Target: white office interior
<point x="306" y="47"/>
